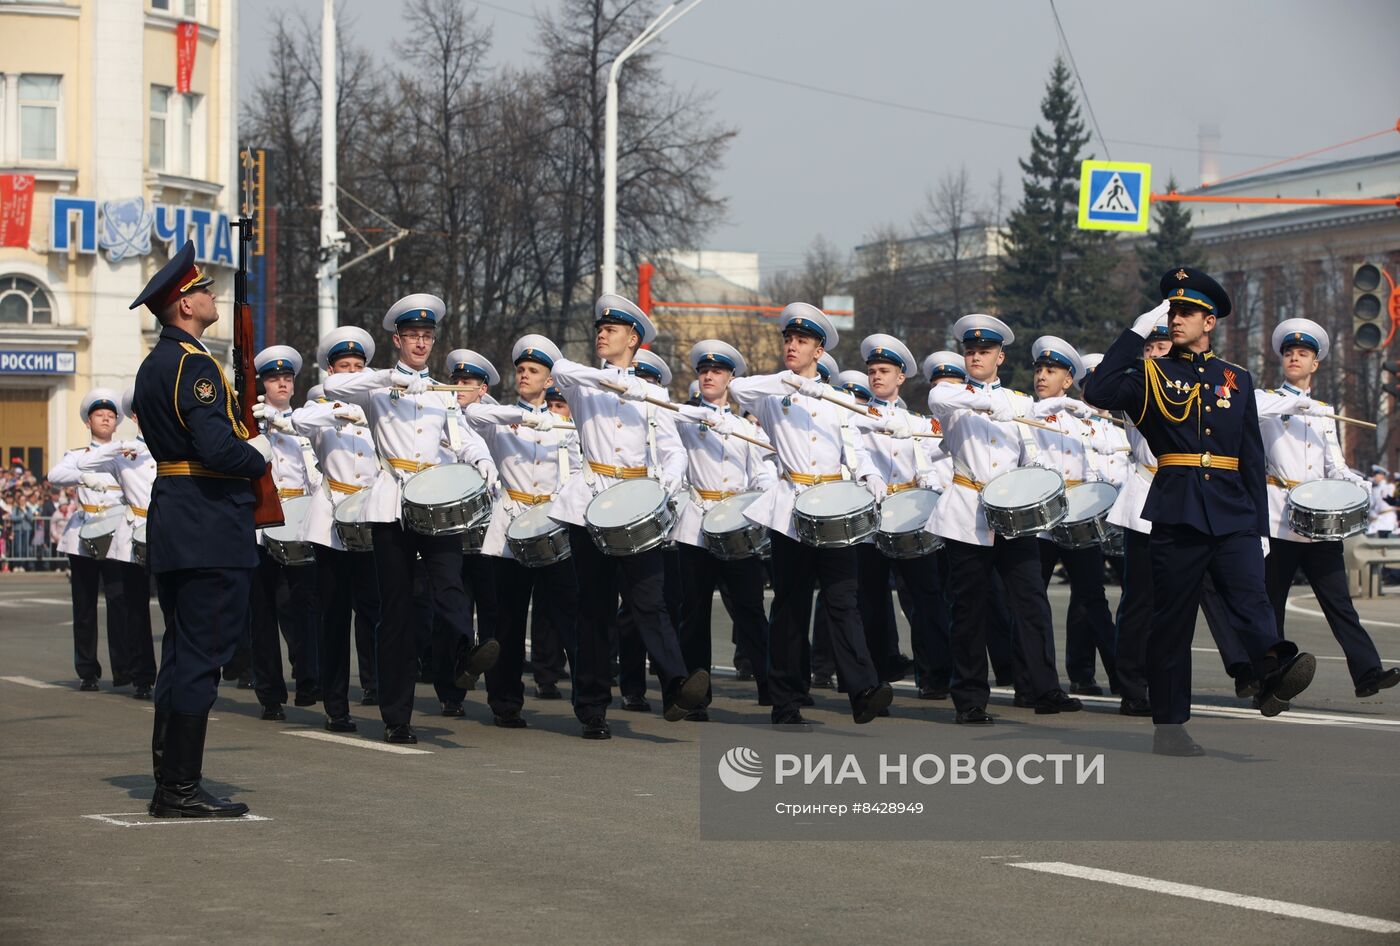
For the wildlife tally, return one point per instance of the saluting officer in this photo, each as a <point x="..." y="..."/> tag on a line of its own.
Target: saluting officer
<point x="96" y="492"/>
<point x="345" y="580"/>
<point x="812" y="437"/>
<point x="410" y="424"/>
<point x="720" y="466"/>
<point x="199" y="530"/>
<point x="1207" y="503"/>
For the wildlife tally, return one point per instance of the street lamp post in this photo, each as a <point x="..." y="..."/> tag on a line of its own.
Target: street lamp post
<point x="654" y="29"/>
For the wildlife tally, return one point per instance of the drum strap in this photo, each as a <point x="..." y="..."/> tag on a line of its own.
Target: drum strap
<point x="454" y="432"/>
<point x="651" y="440"/>
<point x="848" y="443"/>
<point x="561" y="457"/>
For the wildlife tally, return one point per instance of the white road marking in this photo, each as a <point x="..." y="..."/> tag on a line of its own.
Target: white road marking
<point x="123" y="819"/>
<point x="31" y="682"/>
<point x="1351" y="921"/>
<point x="1299" y="609"/>
<point x="356" y="742"/>
<point x="1212" y="650"/>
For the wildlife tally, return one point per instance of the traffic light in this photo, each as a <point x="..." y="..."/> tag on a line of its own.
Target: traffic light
<point x="1370" y="306"/>
<point x="1391" y="385"/>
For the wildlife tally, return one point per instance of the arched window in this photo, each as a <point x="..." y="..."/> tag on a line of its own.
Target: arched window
<point x="24" y="302"/>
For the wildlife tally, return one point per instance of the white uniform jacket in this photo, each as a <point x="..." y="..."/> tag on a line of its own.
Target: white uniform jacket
<point x="67" y="473"/>
<point x="135" y="474"/>
<point x="719" y="466"/>
<point x="1297" y="448"/>
<point x="347" y="461"/>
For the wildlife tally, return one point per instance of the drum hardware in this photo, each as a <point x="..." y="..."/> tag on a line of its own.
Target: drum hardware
<point x="835" y="515"/>
<point x="445" y="500"/>
<point x="1086" y="517"/>
<point x="95" y="535"/>
<point x="902" y="519"/>
<point x="355" y="535"/>
<point x="731" y="536"/>
<point x="630" y="517"/>
<point x="1024" y="501"/>
<point x="537" y="540"/>
<point x="283" y="543"/>
<point x="1327" y="510"/>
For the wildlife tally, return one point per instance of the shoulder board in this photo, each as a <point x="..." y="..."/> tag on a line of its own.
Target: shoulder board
<point x="1231" y="364"/>
<point x="193" y="349"/>
<point x="1020" y="393"/>
<point x="1322" y="403"/>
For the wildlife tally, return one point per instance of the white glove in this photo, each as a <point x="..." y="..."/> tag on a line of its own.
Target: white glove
<point x="541" y="422"/>
<point x="897" y="426"/>
<point x="1002" y="413"/>
<point x="1080" y="409"/>
<point x="487" y="469"/>
<point x="1050" y="405"/>
<point x="93" y="481"/>
<point x="721" y="423"/>
<point x="410" y="383"/>
<point x="812" y="387"/>
<point x="263" y="410"/>
<point x="1264" y="545"/>
<point x="875" y="487"/>
<point x="1148" y="320"/>
<point x="634" y="389"/>
<point x="279" y="421"/>
<point x="671" y="485"/>
<point x="350" y="414"/>
<point x="260" y="444"/>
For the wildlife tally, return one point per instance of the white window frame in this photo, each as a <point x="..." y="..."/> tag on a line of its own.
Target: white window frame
<point x="6" y="274"/>
<point x="191" y="135"/>
<point x="165" y="134"/>
<point x="17" y="123"/>
<point x="179" y="9"/>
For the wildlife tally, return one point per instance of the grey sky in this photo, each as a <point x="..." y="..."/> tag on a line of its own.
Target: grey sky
<point x="1278" y="77"/>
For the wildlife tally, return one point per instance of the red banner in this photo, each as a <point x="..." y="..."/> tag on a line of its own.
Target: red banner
<point x="186" y="41"/>
<point x="16" y="208"/>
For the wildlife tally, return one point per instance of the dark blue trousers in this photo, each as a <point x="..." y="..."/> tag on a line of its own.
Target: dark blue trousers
<point x="1322" y="565"/>
<point x="928" y="624"/>
<point x="206" y="611"/>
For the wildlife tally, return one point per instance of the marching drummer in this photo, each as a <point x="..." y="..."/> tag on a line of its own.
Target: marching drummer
<point x="1067" y="450"/>
<point x="96" y="492"/>
<point x="720" y="466"/>
<point x="621" y="438"/>
<point x="534" y="461"/>
<point x="813" y="437"/>
<point x="134" y="469"/>
<point x="904" y="463"/>
<point x="1300" y="443"/>
<point x="827" y="367"/>
<point x="942" y="367"/>
<point x="277" y="368"/>
<point x="981" y="432"/>
<point x="410" y="423"/>
<point x="344" y="449"/>
<point x="1207" y="503"/>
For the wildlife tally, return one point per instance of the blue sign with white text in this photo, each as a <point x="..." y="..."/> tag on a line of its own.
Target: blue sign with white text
<point x="37" y="362"/>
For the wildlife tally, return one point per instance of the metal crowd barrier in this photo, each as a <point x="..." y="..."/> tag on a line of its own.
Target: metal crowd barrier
<point x="27" y="544"/>
<point x="1367" y="558"/>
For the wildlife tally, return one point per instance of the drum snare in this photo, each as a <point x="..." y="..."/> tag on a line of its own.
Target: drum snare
<point x="731" y="536"/>
<point x="1328" y="510"/>
<point x="1024" y="501"/>
<point x="139" y="553"/>
<point x="902" y="520"/>
<point x="445" y="500"/>
<point x="354" y="534"/>
<point x="834" y="515"/>
<point x="283" y="542"/>
<point x="95" y="536"/>
<point x="537" y="540"/>
<point x="1086" y="517"/>
<point x="630" y="517"/>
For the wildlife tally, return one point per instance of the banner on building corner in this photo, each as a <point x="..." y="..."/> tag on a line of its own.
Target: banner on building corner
<point x="16" y="208"/>
<point x="186" y="42"/>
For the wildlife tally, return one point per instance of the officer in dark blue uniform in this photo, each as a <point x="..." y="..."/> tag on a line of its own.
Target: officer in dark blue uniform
<point x="1207" y="504"/>
<point x="199" y="528"/>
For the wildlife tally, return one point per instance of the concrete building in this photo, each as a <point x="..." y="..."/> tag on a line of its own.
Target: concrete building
<point x="122" y="166"/>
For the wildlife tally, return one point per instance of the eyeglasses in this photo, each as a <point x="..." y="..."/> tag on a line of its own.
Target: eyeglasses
<point x="417" y="336"/>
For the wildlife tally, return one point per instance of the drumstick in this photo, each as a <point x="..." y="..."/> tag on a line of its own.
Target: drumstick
<point x="618" y="389"/>
<point x="507" y="423"/>
<point x="1349" y="420"/>
<point x="862" y="411"/>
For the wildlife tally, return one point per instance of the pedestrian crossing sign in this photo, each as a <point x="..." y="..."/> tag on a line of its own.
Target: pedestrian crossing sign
<point x="1114" y="195"/>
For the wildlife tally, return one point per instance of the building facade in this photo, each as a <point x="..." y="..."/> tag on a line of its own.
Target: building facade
<point x="123" y="166"/>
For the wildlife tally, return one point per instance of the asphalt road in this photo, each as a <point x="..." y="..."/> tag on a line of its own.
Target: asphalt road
<point x="538" y="836"/>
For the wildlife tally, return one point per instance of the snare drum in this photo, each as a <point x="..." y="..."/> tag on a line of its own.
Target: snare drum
<point x="1086" y="519"/>
<point x="354" y="534"/>
<point x="834" y="515"/>
<point x="96" y="534"/>
<point x="1328" y="509"/>
<point x="729" y="535"/>
<point x="138" y="543"/>
<point x="282" y="542"/>
<point x="475" y="537"/>
<point x="1024" y="501"/>
<point x="445" y="500"/>
<point x="537" y="540"/>
<point x="630" y="517"/>
<point x="902" y="520"/>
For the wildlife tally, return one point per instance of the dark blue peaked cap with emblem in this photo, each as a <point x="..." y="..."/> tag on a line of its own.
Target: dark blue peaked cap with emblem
<point x="175" y="278"/>
<point x="1193" y="287"/>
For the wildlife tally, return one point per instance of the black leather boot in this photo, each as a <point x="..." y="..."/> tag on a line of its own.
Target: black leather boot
<point x="179" y="794"/>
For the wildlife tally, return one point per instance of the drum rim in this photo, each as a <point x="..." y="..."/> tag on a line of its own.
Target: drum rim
<point x="455" y="468"/>
<point x="632" y="485"/>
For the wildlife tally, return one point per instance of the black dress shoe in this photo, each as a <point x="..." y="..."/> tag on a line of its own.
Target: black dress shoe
<point x="1285" y="683"/>
<point x="1087" y="688"/>
<point x="477" y="661"/>
<point x="823" y="681"/>
<point x="340" y="724"/>
<point x="142" y="692"/>
<point x="1131" y="706"/>
<point x="976" y="715"/>
<point x="635" y="704"/>
<point x="272" y="712"/>
<point x="933" y="691"/>
<point x="401" y="735"/>
<point x="190" y="800"/>
<point x="700" y="715"/>
<point x="743" y="671"/>
<point x="89" y="685"/>
<point x="1022" y="702"/>
<point x="510" y="720"/>
<point x="120" y="680"/>
<point x="596" y="727"/>
<point x="765" y="699"/>
<point x="1376" y="681"/>
<point x="245" y="680"/>
<point x="548" y="691"/>
<point x="689" y="695"/>
<point x="1173" y="740"/>
<point x="791" y="721"/>
<point x="307" y="697"/>
<point x="868" y="703"/>
<point x="1246" y="688"/>
<point x="453" y="710"/>
<point x="807" y="700"/>
<point x="370" y="698"/>
<point x="1057" y="701"/>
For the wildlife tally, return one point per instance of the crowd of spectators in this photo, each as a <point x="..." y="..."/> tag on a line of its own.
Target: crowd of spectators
<point x="32" y="517"/>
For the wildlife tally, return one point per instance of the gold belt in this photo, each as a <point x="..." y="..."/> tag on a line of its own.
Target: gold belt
<point x="92" y="510"/>
<point x="618" y="472"/>
<point x="138" y="510"/>
<point x="340" y="487"/>
<point x="1281" y="483"/>
<point x="290" y="493"/>
<point x="1205" y="461"/>
<point x="529" y="499"/>
<point x="409" y="466"/>
<point x="714" y="495"/>
<point x="1148" y="467"/>
<point x="1069" y="483"/>
<point x="191" y="468"/>
<point x="967" y="481"/>
<point x="901" y="487"/>
<point x="811" y="479"/>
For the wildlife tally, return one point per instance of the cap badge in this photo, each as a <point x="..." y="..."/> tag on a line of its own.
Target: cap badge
<point x="1181" y="274"/>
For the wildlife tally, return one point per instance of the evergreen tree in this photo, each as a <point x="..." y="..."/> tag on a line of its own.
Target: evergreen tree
<point x="1054" y="277"/>
<point x="1169" y="247"/>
